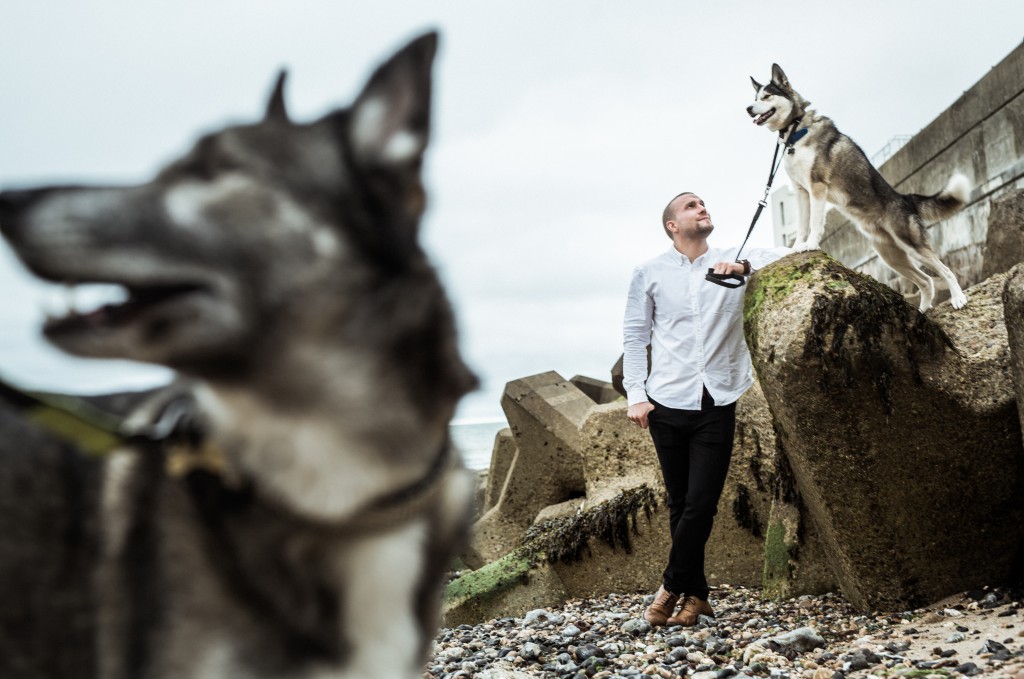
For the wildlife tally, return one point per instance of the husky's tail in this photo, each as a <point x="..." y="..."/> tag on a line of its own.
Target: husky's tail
<point x="944" y="203"/>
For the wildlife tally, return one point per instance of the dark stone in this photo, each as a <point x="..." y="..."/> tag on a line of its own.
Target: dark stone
<point x="588" y="651"/>
<point x="677" y="654"/>
<point x="992" y="647"/>
<point x="675" y="641"/>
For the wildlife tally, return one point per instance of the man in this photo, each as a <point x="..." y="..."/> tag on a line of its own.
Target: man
<point x="699" y="368"/>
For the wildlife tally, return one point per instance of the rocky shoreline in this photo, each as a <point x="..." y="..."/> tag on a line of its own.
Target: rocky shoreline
<point x="976" y="633"/>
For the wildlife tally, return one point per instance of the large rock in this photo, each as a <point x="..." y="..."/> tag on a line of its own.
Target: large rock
<point x="502" y="454"/>
<point x="771" y="534"/>
<point x="899" y="437"/>
<point x="1013" y="308"/>
<point x="545" y="413"/>
<point x="599" y="391"/>
<point x="1004" y="241"/>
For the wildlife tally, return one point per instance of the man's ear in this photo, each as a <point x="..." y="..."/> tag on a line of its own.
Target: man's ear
<point x="757" y="85"/>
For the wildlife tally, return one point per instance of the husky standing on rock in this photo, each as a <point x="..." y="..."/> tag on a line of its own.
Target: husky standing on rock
<point x="277" y="264"/>
<point x="827" y="166"/>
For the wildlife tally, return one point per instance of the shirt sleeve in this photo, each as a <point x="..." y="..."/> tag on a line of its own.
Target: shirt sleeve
<point x="636" y="333"/>
<point x="762" y="257"/>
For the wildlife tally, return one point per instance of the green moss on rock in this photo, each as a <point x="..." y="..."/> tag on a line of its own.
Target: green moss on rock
<point x="773" y="283"/>
<point x="511" y="569"/>
<point x="777" y="566"/>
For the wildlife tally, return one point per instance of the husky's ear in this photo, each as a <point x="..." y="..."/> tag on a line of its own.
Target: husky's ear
<point x="779" y="78"/>
<point x="387" y="131"/>
<point x="757" y="85"/>
<point x="276" y="110"/>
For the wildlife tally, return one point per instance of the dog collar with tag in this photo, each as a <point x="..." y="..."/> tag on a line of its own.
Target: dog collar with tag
<point x="796" y="135"/>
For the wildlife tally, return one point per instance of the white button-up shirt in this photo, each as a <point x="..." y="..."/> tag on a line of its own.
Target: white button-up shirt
<point x="694" y="327"/>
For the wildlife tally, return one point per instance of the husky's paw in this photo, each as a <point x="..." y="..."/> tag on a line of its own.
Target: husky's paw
<point x="924" y="307"/>
<point x="958" y="301"/>
<point x="804" y="247"/>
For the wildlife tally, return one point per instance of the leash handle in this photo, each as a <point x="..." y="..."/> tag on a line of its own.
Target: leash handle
<point x="726" y="280"/>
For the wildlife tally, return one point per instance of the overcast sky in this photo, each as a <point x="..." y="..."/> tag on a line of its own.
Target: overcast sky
<point x="561" y="130"/>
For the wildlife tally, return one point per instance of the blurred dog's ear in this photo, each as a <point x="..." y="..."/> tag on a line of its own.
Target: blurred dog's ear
<point x="757" y="85"/>
<point x="386" y="132"/>
<point x="276" y="110"/>
<point x="390" y="121"/>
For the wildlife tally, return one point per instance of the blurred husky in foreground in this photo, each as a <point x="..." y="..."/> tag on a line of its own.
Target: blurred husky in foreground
<point x="308" y="530"/>
<point x="827" y="166"/>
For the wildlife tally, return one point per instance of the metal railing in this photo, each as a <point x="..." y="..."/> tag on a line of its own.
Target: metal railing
<point x="891" y="147"/>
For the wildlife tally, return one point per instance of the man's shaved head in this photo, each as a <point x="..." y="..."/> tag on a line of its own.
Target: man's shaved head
<point x="669" y="213"/>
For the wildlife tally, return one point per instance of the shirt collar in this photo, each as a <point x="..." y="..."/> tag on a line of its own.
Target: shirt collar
<point x="680" y="258"/>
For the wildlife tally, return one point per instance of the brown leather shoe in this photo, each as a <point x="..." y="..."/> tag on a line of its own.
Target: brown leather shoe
<point x="663" y="606"/>
<point x="692" y="607"/>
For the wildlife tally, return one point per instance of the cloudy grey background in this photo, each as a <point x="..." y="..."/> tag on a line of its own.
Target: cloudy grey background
<point x="561" y="129"/>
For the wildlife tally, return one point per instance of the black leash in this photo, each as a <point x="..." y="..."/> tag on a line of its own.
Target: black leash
<point x="735" y="280"/>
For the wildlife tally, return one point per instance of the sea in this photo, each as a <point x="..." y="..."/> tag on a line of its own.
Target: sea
<point x="475" y="439"/>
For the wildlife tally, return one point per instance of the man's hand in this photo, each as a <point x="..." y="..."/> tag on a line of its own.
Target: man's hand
<point x="638" y="413"/>
<point x="729" y="268"/>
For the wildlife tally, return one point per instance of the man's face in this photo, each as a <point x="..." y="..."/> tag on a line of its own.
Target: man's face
<point x="691" y="217"/>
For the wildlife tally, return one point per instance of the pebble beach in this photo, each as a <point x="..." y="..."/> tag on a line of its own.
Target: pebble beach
<point x="976" y="633"/>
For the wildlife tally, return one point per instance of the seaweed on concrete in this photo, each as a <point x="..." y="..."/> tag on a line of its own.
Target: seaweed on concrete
<point x="567" y="539"/>
<point x="745" y="513"/>
<point x="842" y="324"/>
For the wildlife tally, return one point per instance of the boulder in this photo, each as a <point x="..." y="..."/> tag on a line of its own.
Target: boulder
<point x="1013" y="307"/>
<point x="617" y="454"/>
<point x="896" y="426"/>
<point x="545" y="413"/>
<point x="502" y="454"/>
<point x="1004" y="241"/>
<point x="771" y="535"/>
<point x="617" y="376"/>
<point x="599" y="391"/>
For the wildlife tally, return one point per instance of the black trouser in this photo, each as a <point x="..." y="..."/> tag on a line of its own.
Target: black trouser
<point x="694" y="448"/>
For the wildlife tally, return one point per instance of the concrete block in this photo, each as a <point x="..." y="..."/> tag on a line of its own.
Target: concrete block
<point x="901" y="447"/>
<point x="545" y="413"/>
<point x="502" y="454"/>
<point x="599" y="391"/>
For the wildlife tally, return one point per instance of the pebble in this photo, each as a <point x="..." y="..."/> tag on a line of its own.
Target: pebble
<point x="820" y="637"/>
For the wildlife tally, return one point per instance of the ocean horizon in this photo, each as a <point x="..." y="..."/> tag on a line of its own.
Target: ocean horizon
<point x="474" y="438"/>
